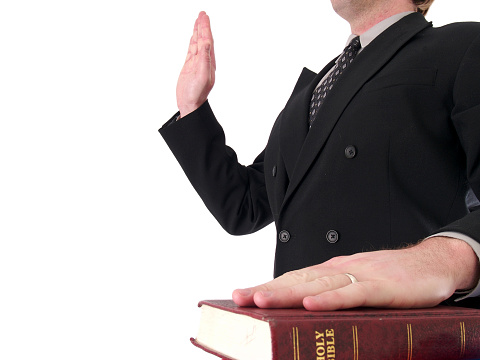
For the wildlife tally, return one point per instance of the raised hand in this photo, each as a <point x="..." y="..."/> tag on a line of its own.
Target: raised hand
<point x="420" y="276"/>
<point x="197" y="77"/>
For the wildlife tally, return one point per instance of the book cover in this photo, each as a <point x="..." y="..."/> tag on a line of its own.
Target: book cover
<point x="241" y="333"/>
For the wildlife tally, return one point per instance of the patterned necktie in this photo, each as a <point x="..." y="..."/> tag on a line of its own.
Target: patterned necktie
<point x="324" y="88"/>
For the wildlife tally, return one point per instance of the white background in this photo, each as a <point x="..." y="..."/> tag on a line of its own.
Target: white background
<point x="105" y="249"/>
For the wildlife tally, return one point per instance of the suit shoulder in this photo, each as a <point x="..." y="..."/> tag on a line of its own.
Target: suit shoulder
<point x="454" y="37"/>
<point x="460" y="29"/>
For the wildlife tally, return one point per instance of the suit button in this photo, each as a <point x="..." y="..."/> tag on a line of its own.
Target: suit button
<point x="350" y="152"/>
<point x="332" y="236"/>
<point x="284" y="236"/>
<point x="274" y="171"/>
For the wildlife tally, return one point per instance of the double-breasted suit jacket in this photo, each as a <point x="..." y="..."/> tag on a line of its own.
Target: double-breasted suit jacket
<point x="389" y="160"/>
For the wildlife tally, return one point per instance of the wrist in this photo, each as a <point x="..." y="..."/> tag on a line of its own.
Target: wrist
<point x="458" y="258"/>
<point x="186" y="109"/>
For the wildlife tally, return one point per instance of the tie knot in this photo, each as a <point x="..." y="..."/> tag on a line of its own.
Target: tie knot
<point x="353" y="46"/>
<point x="349" y="53"/>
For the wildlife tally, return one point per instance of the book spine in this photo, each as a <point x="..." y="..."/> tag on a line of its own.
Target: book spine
<point x="389" y="339"/>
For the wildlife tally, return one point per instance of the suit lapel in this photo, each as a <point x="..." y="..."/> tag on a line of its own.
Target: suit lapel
<point x="366" y="64"/>
<point x="294" y="124"/>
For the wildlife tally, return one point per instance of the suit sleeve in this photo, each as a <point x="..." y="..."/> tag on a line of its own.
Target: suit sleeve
<point x="234" y="194"/>
<point x="466" y="119"/>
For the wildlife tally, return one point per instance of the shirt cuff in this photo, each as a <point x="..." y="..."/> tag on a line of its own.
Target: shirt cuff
<point x="476" y="248"/>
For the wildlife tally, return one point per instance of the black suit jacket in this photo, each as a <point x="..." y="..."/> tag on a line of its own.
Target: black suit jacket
<point x="388" y="161"/>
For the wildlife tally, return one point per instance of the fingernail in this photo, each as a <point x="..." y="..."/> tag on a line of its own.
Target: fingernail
<point x="244" y="292"/>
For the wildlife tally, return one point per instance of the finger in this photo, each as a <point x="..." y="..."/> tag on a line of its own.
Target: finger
<point x="361" y="294"/>
<point x="205" y="38"/>
<point x="193" y="45"/>
<point x="206" y="35"/>
<point x="205" y="31"/>
<point x="245" y="297"/>
<point x="293" y="296"/>
<point x="212" y="56"/>
<point x="205" y="72"/>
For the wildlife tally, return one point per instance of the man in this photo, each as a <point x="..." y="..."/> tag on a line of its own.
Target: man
<point x="379" y="150"/>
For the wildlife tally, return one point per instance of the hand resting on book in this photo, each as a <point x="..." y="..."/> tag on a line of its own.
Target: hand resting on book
<point x="423" y="275"/>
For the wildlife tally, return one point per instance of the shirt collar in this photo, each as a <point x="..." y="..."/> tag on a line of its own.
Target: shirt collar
<point x="368" y="36"/>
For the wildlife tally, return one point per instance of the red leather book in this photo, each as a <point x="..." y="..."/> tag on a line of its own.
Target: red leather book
<point x="245" y="333"/>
